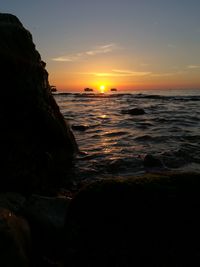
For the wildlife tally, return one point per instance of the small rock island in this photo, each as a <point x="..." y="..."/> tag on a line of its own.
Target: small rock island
<point x="88" y="89"/>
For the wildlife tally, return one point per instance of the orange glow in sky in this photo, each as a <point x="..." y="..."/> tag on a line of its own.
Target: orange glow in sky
<point x="75" y="76"/>
<point x="127" y="45"/>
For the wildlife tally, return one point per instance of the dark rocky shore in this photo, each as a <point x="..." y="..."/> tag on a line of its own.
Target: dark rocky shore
<point x="143" y="221"/>
<point x="35" y="141"/>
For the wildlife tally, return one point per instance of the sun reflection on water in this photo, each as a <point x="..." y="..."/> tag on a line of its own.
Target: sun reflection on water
<point x="103" y="116"/>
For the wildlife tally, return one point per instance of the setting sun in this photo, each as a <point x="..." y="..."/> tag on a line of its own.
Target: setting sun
<point x="102" y="88"/>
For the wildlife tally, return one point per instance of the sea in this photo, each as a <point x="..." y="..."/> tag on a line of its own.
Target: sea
<point x="114" y="143"/>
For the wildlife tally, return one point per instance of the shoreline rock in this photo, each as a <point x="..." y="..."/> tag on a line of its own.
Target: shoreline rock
<point x="15" y="240"/>
<point x="37" y="145"/>
<point x="144" y="221"/>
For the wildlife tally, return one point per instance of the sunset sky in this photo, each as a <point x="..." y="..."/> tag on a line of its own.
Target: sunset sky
<point x="127" y="44"/>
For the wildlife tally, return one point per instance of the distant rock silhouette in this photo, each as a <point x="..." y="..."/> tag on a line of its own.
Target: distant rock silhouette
<point x="134" y="111"/>
<point x="37" y="146"/>
<point x="80" y="128"/>
<point x="88" y="90"/>
<point x="53" y="88"/>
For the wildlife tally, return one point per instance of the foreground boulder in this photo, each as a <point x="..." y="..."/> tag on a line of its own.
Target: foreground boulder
<point x="15" y="241"/>
<point x="12" y="201"/>
<point x="37" y="146"/>
<point x="147" y="221"/>
<point x="46" y="217"/>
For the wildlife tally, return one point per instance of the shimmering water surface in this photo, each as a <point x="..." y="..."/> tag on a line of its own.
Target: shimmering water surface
<point x="116" y="143"/>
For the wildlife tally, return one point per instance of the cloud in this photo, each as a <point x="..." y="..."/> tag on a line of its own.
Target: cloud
<point x="121" y="73"/>
<point x="193" y="67"/>
<point x="65" y="59"/>
<point x="103" y="49"/>
<point x="132" y="73"/>
<point x="166" y="74"/>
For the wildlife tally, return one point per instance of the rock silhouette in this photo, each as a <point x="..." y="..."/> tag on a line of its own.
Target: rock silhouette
<point x="134" y="111"/>
<point x="15" y="241"/>
<point x="143" y="222"/>
<point x="37" y="146"/>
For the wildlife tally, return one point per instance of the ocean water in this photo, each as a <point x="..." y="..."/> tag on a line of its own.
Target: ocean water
<point x="115" y="143"/>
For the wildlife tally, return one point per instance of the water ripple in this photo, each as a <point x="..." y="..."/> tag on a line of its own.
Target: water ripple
<point x="116" y="143"/>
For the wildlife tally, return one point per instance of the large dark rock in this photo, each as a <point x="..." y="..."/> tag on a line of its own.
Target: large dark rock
<point x="146" y="221"/>
<point x="12" y="201"/>
<point x="37" y="146"/>
<point x="46" y="217"/>
<point x="15" y="241"/>
<point x="15" y="236"/>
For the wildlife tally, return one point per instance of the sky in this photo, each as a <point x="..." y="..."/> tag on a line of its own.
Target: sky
<point x="123" y="44"/>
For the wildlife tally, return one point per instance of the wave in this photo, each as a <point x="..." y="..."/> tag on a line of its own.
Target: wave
<point x="169" y="130"/>
<point x="114" y="134"/>
<point x="132" y="95"/>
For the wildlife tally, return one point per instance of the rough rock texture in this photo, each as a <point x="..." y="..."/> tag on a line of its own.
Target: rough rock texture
<point x="143" y="222"/>
<point x="12" y="201"/>
<point x="15" y="241"/>
<point x="37" y="146"/>
<point x="46" y="217"/>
